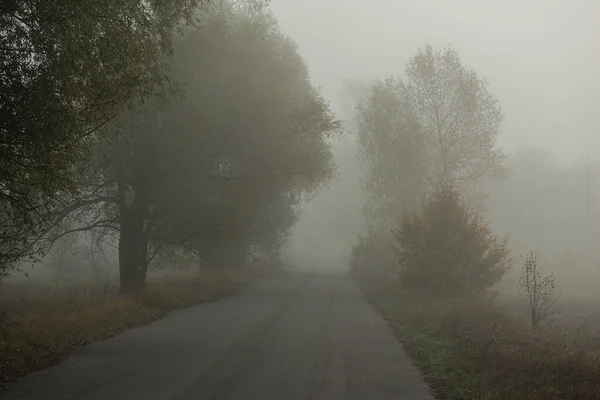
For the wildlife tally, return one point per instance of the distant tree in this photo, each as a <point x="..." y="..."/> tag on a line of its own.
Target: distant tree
<point x="65" y="256"/>
<point x="220" y="170"/>
<point x="459" y="118"/>
<point x="439" y="127"/>
<point x="392" y="147"/>
<point x="374" y="252"/>
<point x="351" y="91"/>
<point x="97" y="256"/>
<point x="67" y="68"/>
<point x="448" y="250"/>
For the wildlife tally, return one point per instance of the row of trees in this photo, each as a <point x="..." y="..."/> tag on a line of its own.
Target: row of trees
<point x="214" y="163"/>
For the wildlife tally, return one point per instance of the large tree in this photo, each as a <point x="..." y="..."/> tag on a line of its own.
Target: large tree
<point x="459" y="118"/>
<point x="66" y="69"/>
<point x="220" y="170"/>
<point x="438" y="126"/>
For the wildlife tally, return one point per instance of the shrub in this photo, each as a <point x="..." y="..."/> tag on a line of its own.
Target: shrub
<point x="448" y="249"/>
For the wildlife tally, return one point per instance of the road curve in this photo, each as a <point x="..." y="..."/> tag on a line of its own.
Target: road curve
<point x="294" y="335"/>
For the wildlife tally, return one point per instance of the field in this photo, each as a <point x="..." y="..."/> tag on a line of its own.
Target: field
<point x="40" y="324"/>
<point x="486" y="349"/>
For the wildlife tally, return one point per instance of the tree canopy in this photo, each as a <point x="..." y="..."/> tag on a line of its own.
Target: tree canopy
<point x="459" y="118"/>
<point x="392" y="147"/>
<point x="66" y="69"/>
<point x="447" y="249"/>
<point x="221" y="169"/>
<point x="438" y="126"/>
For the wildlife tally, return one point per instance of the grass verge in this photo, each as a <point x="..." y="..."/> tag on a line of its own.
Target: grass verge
<point x="39" y="327"/>
<point x="480" y="351"/>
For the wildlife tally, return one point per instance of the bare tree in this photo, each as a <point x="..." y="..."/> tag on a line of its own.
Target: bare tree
<point x="540" y="291"/>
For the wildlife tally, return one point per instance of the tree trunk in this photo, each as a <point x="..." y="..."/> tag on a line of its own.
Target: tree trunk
<point x="133" y="246"/>
<point x="130" y="251"/>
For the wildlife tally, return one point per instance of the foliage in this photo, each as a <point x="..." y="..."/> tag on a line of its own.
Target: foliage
<point x="220" y="170"/>
<point x="447" y="249"/>
<point x="392" y="147"/>
<point x="438" y="126"/>
<point x="459" y="118"/>
<point x="539" y="291"/>
<point x="68" y="67"/>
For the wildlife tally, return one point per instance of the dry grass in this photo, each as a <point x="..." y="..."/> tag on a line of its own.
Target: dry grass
<point x="41" y="325"/>
<point x="485" y="351"/>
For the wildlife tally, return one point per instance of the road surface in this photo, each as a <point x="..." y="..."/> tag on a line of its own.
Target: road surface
<point x="294" y="335"/>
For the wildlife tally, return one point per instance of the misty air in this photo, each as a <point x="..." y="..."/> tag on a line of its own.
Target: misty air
<point x="285" y="199"/>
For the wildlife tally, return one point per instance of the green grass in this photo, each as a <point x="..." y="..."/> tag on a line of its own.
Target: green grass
<point x="41" y="326"/>
<point x="478" y="351"/>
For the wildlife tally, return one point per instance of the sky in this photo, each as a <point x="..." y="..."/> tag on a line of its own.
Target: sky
<point x="541" y="57"/>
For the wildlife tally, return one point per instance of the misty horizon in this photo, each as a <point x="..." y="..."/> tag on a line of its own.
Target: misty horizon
<point x="541" y="58"/>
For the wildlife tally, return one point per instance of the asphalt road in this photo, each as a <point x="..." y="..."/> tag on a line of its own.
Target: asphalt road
<point x="295" y="335"/>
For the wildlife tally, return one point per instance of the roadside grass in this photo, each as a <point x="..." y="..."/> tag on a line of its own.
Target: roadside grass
<point x="41" y="325"/>
<point x="484" y="351"/>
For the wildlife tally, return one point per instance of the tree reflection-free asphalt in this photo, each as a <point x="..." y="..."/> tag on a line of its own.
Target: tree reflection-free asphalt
<point x="292" y="335"/>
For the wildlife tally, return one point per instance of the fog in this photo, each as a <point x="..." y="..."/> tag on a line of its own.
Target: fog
<point x="352" y="168"/>
<point x="541" y="59"/>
